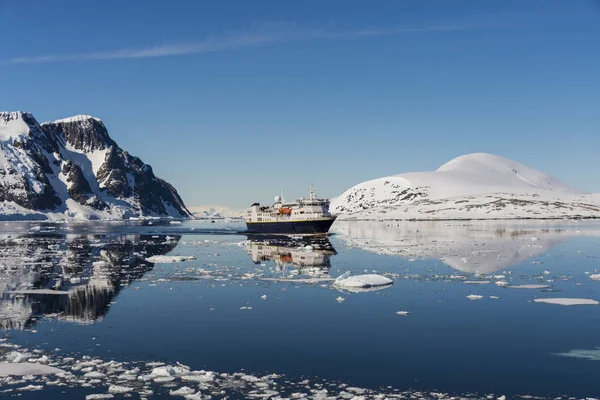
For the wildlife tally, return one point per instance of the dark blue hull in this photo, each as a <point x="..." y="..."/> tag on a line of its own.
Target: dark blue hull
<point x="292" y="227"/>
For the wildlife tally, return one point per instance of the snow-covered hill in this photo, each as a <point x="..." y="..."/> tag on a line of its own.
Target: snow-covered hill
<point x="72" y="169"/>
<point x="472" y="186"/>
<point x="215" y="212"/>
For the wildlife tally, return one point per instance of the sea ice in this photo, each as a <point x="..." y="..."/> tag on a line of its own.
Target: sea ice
<point x="25" y="368"/>
<point x="169" y="259"/>
<point x="402" y="312"/>
<point x="361" y="281"/>
<point x="595" y="277"/>
<point x="474" y="297"/>
<point x="182" y="391"/>
<point x="563" y="301"/>
<point x="529" y="286"/>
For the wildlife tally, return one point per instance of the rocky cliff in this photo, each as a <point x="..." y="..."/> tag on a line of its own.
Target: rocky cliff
<point x="72" y="169"/>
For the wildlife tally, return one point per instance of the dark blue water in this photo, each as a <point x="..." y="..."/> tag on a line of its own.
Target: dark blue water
<point x="189" y="311"/>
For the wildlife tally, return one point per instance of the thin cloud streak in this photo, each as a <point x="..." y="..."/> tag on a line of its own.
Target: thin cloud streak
<point x="232" y="41"/>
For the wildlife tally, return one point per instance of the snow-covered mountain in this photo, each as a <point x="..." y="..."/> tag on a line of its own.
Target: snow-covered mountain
<point x="215" y="212"/>
<point x="472" y="186"/>
<point x="72" y="169"/>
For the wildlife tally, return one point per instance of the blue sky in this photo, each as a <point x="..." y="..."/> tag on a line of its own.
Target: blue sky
<point x="232" y="100"/>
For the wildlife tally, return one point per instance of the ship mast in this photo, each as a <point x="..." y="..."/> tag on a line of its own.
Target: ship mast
<point x="313" y="194"/>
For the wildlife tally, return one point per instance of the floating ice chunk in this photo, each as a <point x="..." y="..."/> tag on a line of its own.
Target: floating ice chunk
<point x="264" y="297"/>
<point x="595" y="277"/>
<point x="175" y="222"/>
<point x="25" y="368"/>
<point x="30" y="388"/>
<point x="402" y="313"/>
<point x="182" y="391"/>
<point x="119" y="389"/>
<point x="245" y="308"/>
<point x="593" y="355"/>
<point x="477" y="282"/>
<point x="361" y="281"/>
<point x="529" y="286"/>
<point x="169" y="259"/>
<point x="494" y="297"/>
<point x="339" y="299"/>
<point x="200" y="376"/>
<point x="563" y="301"/>
<point x="474" y="297"/>
<point x="502" y="283"/>
<point x="170" y="370"/>
<point x="95" y="375"/>
<point x="75" y="280"/>
<point x="17" y="357"/>
<point x="99" y="396"/>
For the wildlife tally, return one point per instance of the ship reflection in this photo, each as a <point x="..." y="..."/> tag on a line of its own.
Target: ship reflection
<point x="70" y="277"/>
<point x="297" y="256"/>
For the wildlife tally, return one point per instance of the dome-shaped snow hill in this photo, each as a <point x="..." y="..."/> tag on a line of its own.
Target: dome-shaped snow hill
<point x="472" y="186"/>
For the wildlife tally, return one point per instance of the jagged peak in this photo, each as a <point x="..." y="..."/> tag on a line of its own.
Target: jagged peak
<point x="8" y="115"/>
<point x="16" y="124"/>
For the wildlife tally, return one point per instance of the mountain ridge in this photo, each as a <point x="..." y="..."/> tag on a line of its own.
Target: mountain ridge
<point x="72" y="169"/>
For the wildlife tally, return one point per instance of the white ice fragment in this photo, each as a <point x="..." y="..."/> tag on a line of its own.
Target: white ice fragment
<point x="529" y="286"/>
<point x="339" y="299"/>
<point x="361" y="281"/>
<point x="95" y="375"/>
<point x="474" y="297"/>
<point x="182" y="391"/>
<point x="402" y="313"/>
<point x="595" y="277"/>
<point x="99" y="396"/>
<point x="25" y="368"/>
<point x="119" y="389"/>
<point x="264" y="297"/>
<point x="567" y="301"/>
<point x="30" y="388"/>
<point x="169" y="259"/>
<point x="502" y="283"/>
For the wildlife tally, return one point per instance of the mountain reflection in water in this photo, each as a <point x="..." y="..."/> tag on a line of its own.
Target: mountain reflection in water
<point x="467" y="246"/>
<point x="88" y="272"/>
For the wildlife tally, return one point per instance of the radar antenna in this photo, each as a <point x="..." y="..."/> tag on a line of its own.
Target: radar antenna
<point x="313" y="194"/>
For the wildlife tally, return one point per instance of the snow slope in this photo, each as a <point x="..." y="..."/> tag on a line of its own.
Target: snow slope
<point x="472" y="186"/>
<point x="215" y="212"/>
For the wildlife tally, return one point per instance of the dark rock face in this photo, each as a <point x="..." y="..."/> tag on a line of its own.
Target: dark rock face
<point x="26" y="185"/>
<point x="41" y="166"/>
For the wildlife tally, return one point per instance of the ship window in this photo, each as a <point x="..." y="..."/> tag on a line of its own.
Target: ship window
<point x="301" y="212"/>
<point x="260" y="219"/>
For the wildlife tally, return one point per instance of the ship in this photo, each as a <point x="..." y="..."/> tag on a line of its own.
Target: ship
<point x="304" y="216"/>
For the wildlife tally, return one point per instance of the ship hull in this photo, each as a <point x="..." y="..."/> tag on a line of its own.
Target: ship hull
<point x="308" y="227"/>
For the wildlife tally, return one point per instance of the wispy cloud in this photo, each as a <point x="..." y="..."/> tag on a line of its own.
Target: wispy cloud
<point x="271" y="34"/>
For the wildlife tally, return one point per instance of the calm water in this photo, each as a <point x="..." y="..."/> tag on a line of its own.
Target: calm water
<point x="267" y="306"/>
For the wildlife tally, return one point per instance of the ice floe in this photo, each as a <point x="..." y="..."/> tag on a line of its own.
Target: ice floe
<point x="26" y="368"/>
<point x="169" y="259"/>
<point x="474" y="297"/>
<point x="563" y="301"/>
<point x="361" y="281"/>
<point x="529" y="286"/>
